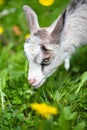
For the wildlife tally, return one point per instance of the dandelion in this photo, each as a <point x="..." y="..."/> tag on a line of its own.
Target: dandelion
<point x="27" y="36"/>
<point x="1" y="30"/>
<point x="46" y="2"/>
<point x="1" y="2"/>
<point x="44" y="110"/>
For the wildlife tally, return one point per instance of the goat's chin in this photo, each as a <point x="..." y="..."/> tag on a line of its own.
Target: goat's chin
<point x="38" y="85"/>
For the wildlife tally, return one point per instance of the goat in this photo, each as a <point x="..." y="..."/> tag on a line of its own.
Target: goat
<point x="48" y="47"/>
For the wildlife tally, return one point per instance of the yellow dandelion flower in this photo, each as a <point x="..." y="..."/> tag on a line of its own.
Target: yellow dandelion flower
<point x="1" y="30"/>
<point x="44" y="110"/>
<point x="27" y="36"/>
<point x="1" y="2"/>
<point x="46" y="2"/>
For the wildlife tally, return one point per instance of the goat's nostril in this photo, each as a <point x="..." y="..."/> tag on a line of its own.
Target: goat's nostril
<point x="32" y="81"/>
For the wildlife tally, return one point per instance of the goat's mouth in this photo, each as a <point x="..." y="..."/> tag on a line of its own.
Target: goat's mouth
<point x="37" y="85"/>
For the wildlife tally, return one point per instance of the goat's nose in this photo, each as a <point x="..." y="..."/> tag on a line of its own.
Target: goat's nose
<point x="32" y="81"/>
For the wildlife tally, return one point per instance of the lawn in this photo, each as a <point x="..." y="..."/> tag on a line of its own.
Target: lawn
<point x="66" y="91"/>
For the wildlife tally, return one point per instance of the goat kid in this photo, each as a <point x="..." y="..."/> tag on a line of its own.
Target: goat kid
<point x="48" y="47"/>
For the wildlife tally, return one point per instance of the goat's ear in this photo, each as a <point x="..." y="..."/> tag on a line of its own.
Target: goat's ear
<point x="57" y="27"/>
<point x="31" y="18"/>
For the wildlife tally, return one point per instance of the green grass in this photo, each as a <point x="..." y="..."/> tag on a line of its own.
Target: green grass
<point x="63" y="90"/>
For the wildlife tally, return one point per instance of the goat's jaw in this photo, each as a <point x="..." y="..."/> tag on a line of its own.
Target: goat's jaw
<point x="40" y="82"/>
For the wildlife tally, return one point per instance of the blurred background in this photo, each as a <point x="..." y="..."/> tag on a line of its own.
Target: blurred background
<point x="15" y="92"/>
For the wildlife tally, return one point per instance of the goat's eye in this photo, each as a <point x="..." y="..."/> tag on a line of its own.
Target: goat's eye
<point x="45" y="61"/>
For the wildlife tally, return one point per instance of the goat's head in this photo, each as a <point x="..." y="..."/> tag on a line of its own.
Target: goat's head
<point x="42" y="48"/>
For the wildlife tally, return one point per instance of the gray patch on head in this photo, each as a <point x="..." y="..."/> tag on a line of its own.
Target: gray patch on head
<point x="42" y="34"/>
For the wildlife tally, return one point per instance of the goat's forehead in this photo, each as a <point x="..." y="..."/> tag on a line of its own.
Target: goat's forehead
<point x="32" y="49"/>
